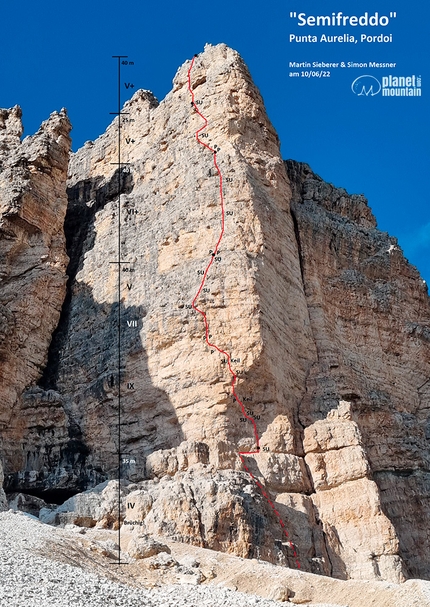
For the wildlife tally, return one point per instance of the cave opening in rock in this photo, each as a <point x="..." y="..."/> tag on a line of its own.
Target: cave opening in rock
<point x="49" y="496"/>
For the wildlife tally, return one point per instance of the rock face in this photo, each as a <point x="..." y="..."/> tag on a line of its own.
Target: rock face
<point x="143" y="546"/>
<point x="326" y="323"/>
<point x="3" y="501"/>
<point x="33" y="204"/>
<point x="366" y="410"/>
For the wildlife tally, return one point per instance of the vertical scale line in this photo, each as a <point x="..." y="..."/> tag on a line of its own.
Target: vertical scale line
<point x="119" y="263"/>
<point x="119" y="310"/>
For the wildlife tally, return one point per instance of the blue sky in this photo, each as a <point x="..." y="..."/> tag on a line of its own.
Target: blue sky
<point x="56" y="54"/>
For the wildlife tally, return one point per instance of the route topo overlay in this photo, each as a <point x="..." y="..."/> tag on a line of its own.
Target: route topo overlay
<point x="241" y="454"/>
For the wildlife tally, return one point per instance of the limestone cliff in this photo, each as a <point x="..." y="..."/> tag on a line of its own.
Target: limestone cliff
<point x="33" y="204"/>
<point x="326" y="323"/>
<point x="366" y="411"/>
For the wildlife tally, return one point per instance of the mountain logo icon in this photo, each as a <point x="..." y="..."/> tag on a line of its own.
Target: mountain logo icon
<point x="366" y="85"/>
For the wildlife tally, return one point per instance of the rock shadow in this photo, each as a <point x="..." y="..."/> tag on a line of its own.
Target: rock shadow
<point x="98" y="370"/>
<point x="108" y="391"/>
<point x="104" y="414"/>
<point x="85" y="199"/>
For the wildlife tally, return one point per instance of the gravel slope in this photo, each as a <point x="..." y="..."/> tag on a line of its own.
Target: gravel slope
<point x="30" y="580"/>
<point x="35" y="572"/>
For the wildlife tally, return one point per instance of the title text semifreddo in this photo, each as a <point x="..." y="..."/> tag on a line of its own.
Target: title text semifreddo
<point x="341" y="20"/>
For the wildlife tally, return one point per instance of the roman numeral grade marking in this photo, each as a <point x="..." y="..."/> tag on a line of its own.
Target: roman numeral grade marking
<point x="123" y="265"/>
<point x="228" y="359"/>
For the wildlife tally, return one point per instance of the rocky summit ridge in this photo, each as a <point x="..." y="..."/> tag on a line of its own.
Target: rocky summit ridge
<point x="326" y="321"/>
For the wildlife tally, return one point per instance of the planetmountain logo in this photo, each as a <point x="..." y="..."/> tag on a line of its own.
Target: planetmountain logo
<point x="391" y="86"/>
<point x="366" y="85"/>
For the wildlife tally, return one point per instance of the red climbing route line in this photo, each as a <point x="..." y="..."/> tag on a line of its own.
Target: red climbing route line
<point x="211" y="345"/>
